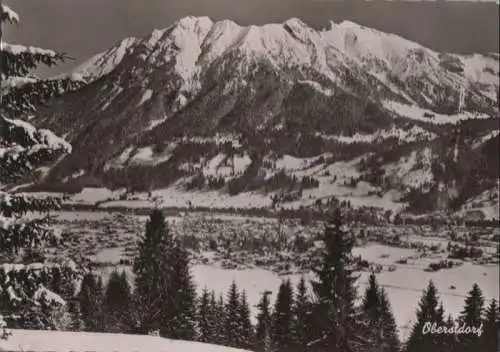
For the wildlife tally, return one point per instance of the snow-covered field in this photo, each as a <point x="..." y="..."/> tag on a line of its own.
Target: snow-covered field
<point x="404" y="286"/>
<point x="58" y="341"/>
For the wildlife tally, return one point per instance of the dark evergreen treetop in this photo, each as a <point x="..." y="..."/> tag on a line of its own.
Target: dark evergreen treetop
<point x="334" y="289"/>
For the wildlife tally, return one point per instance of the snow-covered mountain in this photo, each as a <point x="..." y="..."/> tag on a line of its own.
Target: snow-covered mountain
<point x="216" y="105"/>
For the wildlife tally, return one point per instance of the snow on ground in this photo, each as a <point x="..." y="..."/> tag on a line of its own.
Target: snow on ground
<point x="59" y="341"/>
<point x="103" y="63"/>
<point x="318" y="87"/>
<point x="94" y="195"/>
<point x="417" y="113"/>
<point x="413" y="134"/>
<point x="487" y="202"/>
<point x="173" y="197"/>
<point x="413" y="170"/>
<point x="404" y="286"/>
<point x="145" y="97"/>
<point x="483" y="139"/>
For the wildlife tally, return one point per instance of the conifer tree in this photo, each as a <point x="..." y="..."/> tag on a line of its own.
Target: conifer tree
<point x="449" y="340"/>
<point x="489" y="340"/>
<point x="427" y="312"/>
<point x="117" y="304"/>
<point x="302" y="316"/>
<point x="246" y="332"/>
<point x="263" y="341"/>
<point x="22" y="92"/>
<point x="371" y="299"/>
<point x="471" y="316"/>
<point x="90" y="302"/>
<point x="382" y="328"/>
<point x="205" y="326"/>
<point x="23" y="148"/>
<point x="282" y="319"/>
<point x="389" y="333"/>
<point x="165" y="292"/>
<point x="180" y="322"/>
<point x="232" y="309"/>
<point x="219" y="313"/>
<point x="75" y="314"/>
<point x="335" y="293"/>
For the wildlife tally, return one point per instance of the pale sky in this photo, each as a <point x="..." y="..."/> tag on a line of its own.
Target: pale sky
<point x="82" y="28"/>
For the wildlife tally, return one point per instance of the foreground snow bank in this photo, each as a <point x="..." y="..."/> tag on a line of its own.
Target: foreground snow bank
<point x="59" y="341"/>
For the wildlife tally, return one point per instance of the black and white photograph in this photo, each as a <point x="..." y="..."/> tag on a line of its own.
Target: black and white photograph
<point x="249" y="176"/>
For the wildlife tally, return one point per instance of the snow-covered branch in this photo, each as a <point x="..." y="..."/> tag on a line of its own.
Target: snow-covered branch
<point x="9" y="15"/>
<point x="20" y="60"/>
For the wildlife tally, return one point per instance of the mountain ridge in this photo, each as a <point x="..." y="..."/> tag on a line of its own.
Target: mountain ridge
<point x="348" y="91"/>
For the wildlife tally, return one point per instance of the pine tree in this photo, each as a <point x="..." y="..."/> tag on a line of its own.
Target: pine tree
<point x="180" y="322"/>
<point x="389" y="332"/>
<point x="282" y="319"/>
<point x="117" y="304"/>
<point x="165" y="291"/>
<point x="382" y="328"/>
<point x="90" y="302"/>
<point x="22" y="92"/>
<point x="205" y="323"/>
<point x="334" y="314"/>
<point x="246" y="333"/>
<point x="263" y="342"/>
<point x="219" y="313"/>
<point x="371" y="299"/>
<point x="449" y="341"/>
<point x="302" y="317"/>
<point x="24" y="149"/>
<point x="489" y="340"/>
<point x="427" y="313"/>
<point x="471" y="316"/>
<point x="231" y="325"/>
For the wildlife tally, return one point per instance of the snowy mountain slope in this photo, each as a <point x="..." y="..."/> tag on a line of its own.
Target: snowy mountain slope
<point x="158" y="110"/>
<point x="103" y="63"/>
<point x="58" y="341"/>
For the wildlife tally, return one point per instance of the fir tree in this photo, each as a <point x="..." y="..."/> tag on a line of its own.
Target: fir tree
<point x="471" y="316"/>
<point x="371" y="300"/>
<point x="282" y="319"/>
<point x="302" y="317"/>
<point x="427" y="313"/>
<point x="117" y="304"/>
<point x="219" y="314"/>
<point x="382" y="328"/>
<point x="205" y="323"/>
<point x="90" y="302"/>
<point x="263" y="342"/>
<point x="24" y="149"/>
<point x="246" y="333"/>
<point x="180" y="322"/>
<point x="166" y="295"/>
<point x="449" y="340"/>
<point x="389" y="332"/>
<point x="490" y="338"/>
<point x="334" y="314"/>
<point x="231" y="325"/>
